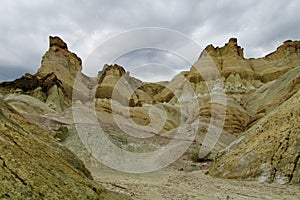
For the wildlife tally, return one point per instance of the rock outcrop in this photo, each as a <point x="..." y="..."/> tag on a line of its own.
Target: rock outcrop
<point x="34" y="166"/>
<point x="114" y="83"/>
<point x="257" y="99"/>
<point x="268" y="151"/>
<point x="228" y="59"/>
<point x="58" y="42"/>
<point x="269" y="96"/>
<point x="267" y="90"/>
<point x="48" y="89"/>
<point x="275" y="64"/>
<point x="67" y="67"/>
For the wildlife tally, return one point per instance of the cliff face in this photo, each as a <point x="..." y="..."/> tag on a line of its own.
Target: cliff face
<point x="58" y="57"/>
<point x="259" y="136"/>
<point x="115" y="83"/>
<point x="229" y="60"/>
<point x="34" y="165"/>
<point x="267" y="89"/>
<point x="269" y="150"/>
<point x="66" y="66"/>
<point x="278" y="62"/>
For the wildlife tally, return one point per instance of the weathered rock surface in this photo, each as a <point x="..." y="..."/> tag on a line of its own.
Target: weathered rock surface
<point x="269" y="150"/>
<point x="236" y="119"/>
<point x="285" y="57"/>
<point x="254" y="88"/>
<point x="269" y="96"/>
<point x="230" y="59"/>
<point x="47" y="89"/>
<point x="114" y="83"/>
<point x="254" y="101"/>
<point x="34" y="166"/>
<point x="67" y="67"/>
<point x="57" y="42"/>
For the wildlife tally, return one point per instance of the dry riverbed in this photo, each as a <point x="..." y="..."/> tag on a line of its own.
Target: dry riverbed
<point x="187" y="180"/>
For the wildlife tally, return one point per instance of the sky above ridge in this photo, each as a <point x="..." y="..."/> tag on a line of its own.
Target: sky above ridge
<point x="25" y="25"/>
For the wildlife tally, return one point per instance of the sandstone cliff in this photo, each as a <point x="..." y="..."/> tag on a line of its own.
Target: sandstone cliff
<point x="67" y="67"/>
<point x="256" y="98"/>
<point x="269" y="150"/>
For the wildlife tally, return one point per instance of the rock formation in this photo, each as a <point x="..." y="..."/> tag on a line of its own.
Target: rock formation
<point x="258" y="99"/>
<point x="278" y="62"/>
<point x="228" y="59"/>
<point x="66" y="66"/>
<point x="33" y="165"/>
<point x="263" y="152"/>
<point x="269" y="150"/>
<point x="47" y="89"/>
<point x="114" y="83"/>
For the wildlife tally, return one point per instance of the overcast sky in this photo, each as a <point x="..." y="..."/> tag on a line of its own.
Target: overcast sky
<point x="259" y="25"/>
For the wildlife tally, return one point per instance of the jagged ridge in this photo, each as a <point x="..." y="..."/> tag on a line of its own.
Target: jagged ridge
<point x="244" y="81"/>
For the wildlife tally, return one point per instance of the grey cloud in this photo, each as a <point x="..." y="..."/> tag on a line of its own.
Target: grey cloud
<point x="260" y="25"/>
<point x="153" y="72"/>
<point x="145" y="44"/>
<point x="11" y="73"/>
<point x="153" y="64"/>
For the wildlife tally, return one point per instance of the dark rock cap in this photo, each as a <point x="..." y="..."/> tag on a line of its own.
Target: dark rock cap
<point x="56" y="41"/>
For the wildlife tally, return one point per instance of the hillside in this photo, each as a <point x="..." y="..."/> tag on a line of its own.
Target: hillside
<point x="35" y="166"/>
<point x="228" y="116"/>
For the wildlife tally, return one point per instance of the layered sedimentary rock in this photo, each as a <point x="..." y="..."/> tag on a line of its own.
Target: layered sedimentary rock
<point x="228" y="60"/>
<point x="268" y="151"/>
<point x="116" y="84"/>
<point x="48" y="89"/>
<point x="270" y="67"/>
<point x="33" y="165"/>
<point x="67" y="67"/>
<point x="254" y="102"/>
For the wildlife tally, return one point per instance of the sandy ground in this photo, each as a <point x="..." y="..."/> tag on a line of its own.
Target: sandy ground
<point x="190" y="182"/>
<point x="183" y="180"/>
